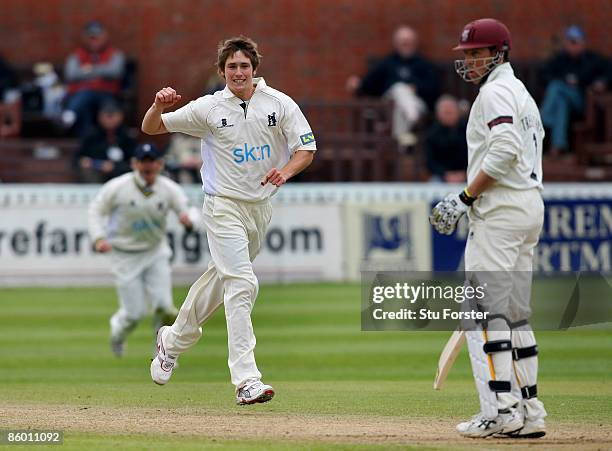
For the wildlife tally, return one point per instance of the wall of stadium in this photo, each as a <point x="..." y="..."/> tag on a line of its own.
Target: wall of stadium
<point x="319" y="232"/>
<point x="175" y="41"/>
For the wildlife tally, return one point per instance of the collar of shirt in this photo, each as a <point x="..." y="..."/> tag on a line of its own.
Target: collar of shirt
<point x="499" y="71"/>
<point x="259" y="83"/>
<point x="147" y="190"/>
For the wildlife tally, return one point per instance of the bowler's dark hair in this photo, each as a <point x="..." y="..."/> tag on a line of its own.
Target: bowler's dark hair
<point x="232" y="45"/>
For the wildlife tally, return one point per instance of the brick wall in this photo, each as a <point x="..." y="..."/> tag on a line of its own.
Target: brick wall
<point x="309" y="46"/>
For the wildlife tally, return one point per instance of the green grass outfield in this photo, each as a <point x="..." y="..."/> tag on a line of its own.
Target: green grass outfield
<point x="55" y="354"/>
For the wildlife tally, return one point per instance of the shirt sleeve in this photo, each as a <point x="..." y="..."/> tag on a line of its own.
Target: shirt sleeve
<point x="501" y="122"/>
<point x="178" y="198"/>
<point x="99" y="210"/>
<point x="296" y="129"/>
<point x="191" y="118"/>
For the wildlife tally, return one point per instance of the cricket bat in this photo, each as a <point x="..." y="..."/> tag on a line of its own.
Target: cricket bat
<point x="448" y="356"/>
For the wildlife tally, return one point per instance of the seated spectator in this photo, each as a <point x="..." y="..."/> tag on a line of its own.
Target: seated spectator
<point x="93" y="74"/>
<point x="107" y="149"/>
<point x="404" y="76"/>
<point x="445" y="143"/>
<point x="10" y="102"/>
<point x="568" y="74"/>
<point x="51" y="89"/>
<point x="183" y="158"/>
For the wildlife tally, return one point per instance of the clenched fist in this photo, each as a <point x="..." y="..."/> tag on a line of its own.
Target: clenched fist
<point x="166" y="97"/>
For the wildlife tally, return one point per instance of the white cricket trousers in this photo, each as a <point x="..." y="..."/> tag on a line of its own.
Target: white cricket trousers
<point x="504" y="229"/>
<point x="143" y="280"/>
<point x="505" y="226"/>
<point x="235" y="231"/>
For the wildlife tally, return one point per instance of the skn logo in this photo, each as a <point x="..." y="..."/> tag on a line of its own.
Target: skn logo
<point x="387" y="236"/>
<point x="272" y="119"/>
<point x="255" y="153"/>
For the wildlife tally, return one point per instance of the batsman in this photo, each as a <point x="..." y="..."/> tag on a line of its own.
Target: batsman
<point x="505" y="210"/>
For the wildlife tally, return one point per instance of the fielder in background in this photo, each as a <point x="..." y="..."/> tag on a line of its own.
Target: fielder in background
<point x="254" y="138"/>
<point x="506" y="213"/>
<point x="128" y="219"/>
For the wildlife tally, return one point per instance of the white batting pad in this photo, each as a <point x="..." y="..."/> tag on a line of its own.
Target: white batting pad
<point x="482" y="373"/>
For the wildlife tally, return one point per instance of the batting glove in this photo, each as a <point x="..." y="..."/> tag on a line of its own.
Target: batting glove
<point x="447" y="213"/>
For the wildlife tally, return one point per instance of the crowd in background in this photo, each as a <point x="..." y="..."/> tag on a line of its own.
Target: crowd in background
<point x="88" y="103"/>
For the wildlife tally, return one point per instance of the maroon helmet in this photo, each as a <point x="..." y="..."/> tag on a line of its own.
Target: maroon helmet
<point x="485" y="33"/>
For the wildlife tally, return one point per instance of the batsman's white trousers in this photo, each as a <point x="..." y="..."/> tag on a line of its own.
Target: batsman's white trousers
<point x="504" y="229"/>
<point x="143" y="280"/>
<point x="235" y="231"/>
<point x="505" y="226"/>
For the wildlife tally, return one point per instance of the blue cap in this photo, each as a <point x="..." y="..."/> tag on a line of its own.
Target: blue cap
<point x="144" y="151"/>
<point x="574" y="33"/>
<point x="94" y="28"/>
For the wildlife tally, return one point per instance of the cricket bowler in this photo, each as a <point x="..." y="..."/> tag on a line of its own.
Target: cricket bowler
<point x="254" y="139"/>
<point x="505" y="211"/>
<point x="127" y="218"/>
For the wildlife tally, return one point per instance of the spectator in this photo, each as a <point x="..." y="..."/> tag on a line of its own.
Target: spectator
<point x="93" y="74"/>
<point x="445" y="143"/>
<point x="107" y="150"/>
<point x="404" y="76"/>
<point x="10" y="102"/>
<point x="183" y="158"/>
<point x="568" y="74"/>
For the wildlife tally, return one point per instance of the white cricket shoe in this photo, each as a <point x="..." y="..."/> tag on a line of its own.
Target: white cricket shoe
<point x="117" y="347"/>
<point x="162" y="364"/>
<point x="481" y="426"/>
<point x="531" y="429"/>
<point x="254" y="391"/>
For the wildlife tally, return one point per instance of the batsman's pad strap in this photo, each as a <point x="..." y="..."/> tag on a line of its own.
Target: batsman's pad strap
<point x="518" y="324"/>
<point x="500" y="386"/>
<point x="529" y="391"/>
<point x="497" y="346"/>
<point x="523" y="353"/>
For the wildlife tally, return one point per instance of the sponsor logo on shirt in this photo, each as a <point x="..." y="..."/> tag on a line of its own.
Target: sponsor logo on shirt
<point x="141" y="226"/>
<point x="224" y="124"/>
<point x="248" y="153"/>
<point x="307" y="138"/>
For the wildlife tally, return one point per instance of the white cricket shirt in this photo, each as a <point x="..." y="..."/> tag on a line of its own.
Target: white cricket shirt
<point x="131" y="216"/>
<point x="240" y="144"/>
<point x="505" y="133"/>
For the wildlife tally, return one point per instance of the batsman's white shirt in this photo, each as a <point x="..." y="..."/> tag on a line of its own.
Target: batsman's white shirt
<point x="504" y="136"/>
<point x="505" y="133"/>
<point x="131" y="216"/>
<point x="242" y="141"/>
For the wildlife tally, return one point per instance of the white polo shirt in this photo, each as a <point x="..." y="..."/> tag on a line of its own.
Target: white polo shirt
<point x="131" y="216"/>
<point x="242" y="141"/>
<point x="505" y="133"/>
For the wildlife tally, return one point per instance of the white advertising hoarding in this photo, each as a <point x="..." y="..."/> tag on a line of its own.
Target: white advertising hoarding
<point x="49" y="244"/>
